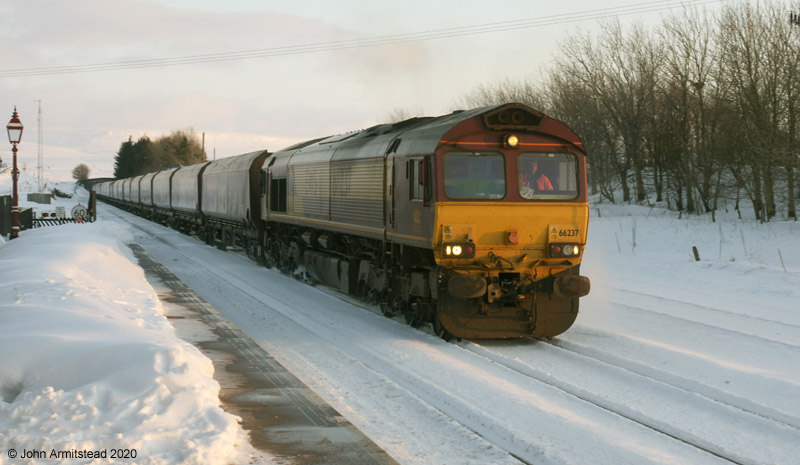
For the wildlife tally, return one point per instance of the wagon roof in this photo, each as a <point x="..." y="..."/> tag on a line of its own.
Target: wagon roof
<point x="166" y="173"/>
<point x="234" y="163"/>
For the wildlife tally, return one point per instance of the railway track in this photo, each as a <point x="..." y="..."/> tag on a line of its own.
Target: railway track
<point x="479" y="390"/>
<point x="717" y="413"/>
<point x="766" y="327"/>
<point x="711" y="393"/>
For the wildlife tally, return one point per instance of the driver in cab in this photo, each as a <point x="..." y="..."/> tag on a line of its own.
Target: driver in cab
<point x="535" y="180"/>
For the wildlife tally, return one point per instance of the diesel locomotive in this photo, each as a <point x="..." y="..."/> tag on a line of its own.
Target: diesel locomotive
<point x="475" y="222"/>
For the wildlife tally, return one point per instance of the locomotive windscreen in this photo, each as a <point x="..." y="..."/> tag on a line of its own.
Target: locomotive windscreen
<point x="547" y="176"/>
<point x="474" y="176"/>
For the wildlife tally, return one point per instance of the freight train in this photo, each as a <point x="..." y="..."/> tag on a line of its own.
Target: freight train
<point x="475" y="221"/>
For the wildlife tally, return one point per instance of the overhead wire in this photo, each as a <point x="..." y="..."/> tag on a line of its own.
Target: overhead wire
<point x="435" y="34"/>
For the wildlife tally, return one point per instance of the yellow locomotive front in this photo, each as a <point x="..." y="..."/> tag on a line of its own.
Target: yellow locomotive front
<point x="511" y="221"/>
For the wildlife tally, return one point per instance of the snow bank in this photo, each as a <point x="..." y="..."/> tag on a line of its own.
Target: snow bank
<point x="88" y="362"/>
<point x="628" y="242"/>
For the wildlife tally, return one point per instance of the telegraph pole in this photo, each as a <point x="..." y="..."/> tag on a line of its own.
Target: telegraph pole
<point x="40" y="155"/>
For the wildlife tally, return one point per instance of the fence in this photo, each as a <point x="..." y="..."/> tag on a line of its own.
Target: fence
<point x="27" y="219"/>
<point x="44" y="222"/>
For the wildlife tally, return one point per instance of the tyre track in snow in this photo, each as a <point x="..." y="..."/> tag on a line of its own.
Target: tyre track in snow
<point x="487" y="423"/>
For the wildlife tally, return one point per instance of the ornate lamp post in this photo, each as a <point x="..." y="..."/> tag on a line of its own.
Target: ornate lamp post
<point x="14" y="136"/>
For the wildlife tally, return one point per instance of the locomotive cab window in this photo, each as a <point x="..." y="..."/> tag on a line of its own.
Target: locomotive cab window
<point x="417" y="173"/>
<point x="417" y="187"/>
<point x="547" y="176"/>
<point x="474" y="175"/>
<point x="277" y="195"/>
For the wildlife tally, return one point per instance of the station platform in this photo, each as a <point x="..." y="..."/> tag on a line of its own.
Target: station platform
<point x="284" y="418"/>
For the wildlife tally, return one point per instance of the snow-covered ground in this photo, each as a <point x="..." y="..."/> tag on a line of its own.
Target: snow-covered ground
<point x="88" y="361"/>
<point x="671" y="360"/>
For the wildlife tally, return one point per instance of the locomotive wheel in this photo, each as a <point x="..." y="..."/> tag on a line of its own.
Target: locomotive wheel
<point x="399" y="307"/>
<point x="268" y="259"/>
<point x="413" y="314"/>
<point x="289" y="266"/>
<point x="386" y="309"/>
<point x="284" y="265"/>
<point x="272" y="257"/>
<point x="386" y="305"/>
<point x="438" y="329"/>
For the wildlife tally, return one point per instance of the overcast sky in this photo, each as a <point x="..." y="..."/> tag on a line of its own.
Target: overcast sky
<point x="281" y="97"/>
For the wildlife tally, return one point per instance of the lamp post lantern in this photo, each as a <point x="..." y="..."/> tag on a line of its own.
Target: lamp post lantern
<point x="14" y="136"/>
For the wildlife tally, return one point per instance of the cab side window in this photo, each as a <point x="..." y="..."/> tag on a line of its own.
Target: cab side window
<point x="416" y="177"/>
<point x="277" y="195"/>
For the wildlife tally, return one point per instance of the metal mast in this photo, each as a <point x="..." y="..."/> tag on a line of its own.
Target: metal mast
<point x="40" y="155"/>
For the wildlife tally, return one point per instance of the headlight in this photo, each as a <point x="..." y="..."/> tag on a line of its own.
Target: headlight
<point x="565" y="250"/>
<point x="464" y="250"/>
<point x="511" y="140"/>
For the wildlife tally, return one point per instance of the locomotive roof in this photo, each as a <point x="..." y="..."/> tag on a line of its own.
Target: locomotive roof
<point x="424" y="134"/>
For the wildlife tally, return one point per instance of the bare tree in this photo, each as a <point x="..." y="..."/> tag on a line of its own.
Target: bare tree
<point x="622" y="71"/>
<point x="527" y="92"/>
<point x="757" y="44"/>
<point x="81" y="172"/>
<point x="790" y="42"/>
<point x="692" y="90"/>
<point x="576" y="105"/>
